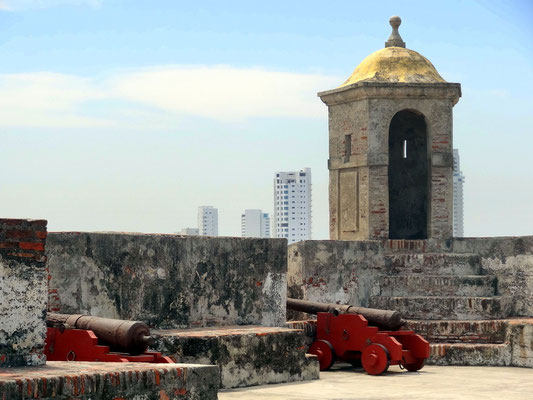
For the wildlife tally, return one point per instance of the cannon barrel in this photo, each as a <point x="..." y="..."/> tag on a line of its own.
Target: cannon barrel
<point x="385" y="319"/>
<point x="126" y="336"/>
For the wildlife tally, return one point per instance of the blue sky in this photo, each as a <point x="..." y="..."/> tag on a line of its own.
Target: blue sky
<point x="127" y="115"/>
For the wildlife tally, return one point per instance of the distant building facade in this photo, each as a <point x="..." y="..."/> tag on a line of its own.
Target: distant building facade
<point x="189" y="232"/>
<point x="458" y="182"/>
<point x="255" y="223"/>
<point x="207" y="221"/>
<point x="292" y="205"/>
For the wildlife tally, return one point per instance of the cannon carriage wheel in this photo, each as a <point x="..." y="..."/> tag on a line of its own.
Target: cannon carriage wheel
<point x="375" y="359"/>
<point x="418" y="364"/>
<point x="325" y="353"/>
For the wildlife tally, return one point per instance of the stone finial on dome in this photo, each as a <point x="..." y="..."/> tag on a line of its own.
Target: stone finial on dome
<point x="395" y="40"/>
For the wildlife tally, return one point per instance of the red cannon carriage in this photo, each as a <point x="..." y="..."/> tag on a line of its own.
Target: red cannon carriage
<point x="343" y="334"/>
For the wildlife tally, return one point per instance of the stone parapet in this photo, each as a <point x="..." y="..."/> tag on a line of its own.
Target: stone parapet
<point x="169" y="281"/>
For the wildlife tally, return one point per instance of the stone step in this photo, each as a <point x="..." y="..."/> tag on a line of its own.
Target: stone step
<point x="247" y="355"/>
<point x="472" y="354"/>
<point x="110" y="380"/>
<point x="432" y="264"/>
<point x="438" y="285"/>
<point x="450" y="331"/>
<point x="442" y="307"/>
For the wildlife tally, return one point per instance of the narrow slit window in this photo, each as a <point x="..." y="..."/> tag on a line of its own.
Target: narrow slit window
<point x="405" y="149"/>
<point x="347" y="147"/>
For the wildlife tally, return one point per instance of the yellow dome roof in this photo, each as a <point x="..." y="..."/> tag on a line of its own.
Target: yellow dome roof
<point x="395" y="64"/>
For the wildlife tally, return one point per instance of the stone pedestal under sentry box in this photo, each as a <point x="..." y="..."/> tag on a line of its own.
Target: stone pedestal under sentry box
<point x="390" y="148"/>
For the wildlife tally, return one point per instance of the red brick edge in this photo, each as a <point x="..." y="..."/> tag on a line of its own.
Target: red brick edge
<point x="23" y="239"/>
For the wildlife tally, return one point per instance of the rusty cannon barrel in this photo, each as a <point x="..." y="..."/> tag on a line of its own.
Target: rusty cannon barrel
<point x="125" y="336"/>
<point x="385" y="319"/>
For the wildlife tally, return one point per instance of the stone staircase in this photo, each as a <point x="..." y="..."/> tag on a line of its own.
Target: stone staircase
<point x="453" y="342"/>
<point x="437" y="286"/>
<point x="449" y="301"/>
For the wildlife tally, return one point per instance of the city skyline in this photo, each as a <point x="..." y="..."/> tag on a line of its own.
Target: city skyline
<point x="121" y="115"/>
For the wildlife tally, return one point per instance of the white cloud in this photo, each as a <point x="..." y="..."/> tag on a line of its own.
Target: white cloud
<point x="225" y="93"/>
<point x="221" y="93"/>
<point x="21" y="5"/>
<point x="46" y="99"/>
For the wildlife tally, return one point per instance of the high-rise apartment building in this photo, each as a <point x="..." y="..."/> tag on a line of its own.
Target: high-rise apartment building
<point x="458" y="181"/>
<point x="292" y="205"/>
<point x="207" y="221"/>
<point x="255" y="223"/>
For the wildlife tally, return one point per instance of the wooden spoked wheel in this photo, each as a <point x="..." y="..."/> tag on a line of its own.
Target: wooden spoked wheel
<point x="375" y="359"/>
<point x="325" y="353"/>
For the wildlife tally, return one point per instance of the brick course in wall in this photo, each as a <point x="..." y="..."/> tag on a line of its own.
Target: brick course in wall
<point x="23" y="240"/>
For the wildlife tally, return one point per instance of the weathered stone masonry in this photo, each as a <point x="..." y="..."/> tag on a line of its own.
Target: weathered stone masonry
<point x="468" y="296"/>
<point x="247" y="355"/>
<point x="175" y="283"/>
<point x="169" y="281"/>
<point x="23" y="302"/>
<point x="359" y="186"/>
<point x="23" y="292"/>
<point x="351" y="272"/>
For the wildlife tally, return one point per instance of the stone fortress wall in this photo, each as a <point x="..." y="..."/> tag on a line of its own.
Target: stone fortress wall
<point x="472" y="298"/>
<point x="169" y="281"/>
<point x="467" y="290"/>
<point x="210" y="300"/>
<point x="218" y="301"/>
